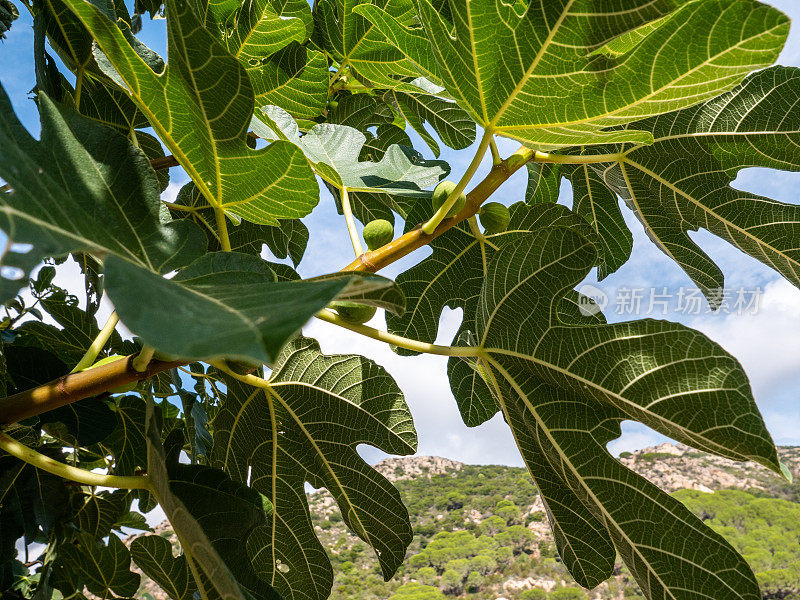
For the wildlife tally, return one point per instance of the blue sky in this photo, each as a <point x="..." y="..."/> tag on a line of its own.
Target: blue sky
<point x="767" y="343"/>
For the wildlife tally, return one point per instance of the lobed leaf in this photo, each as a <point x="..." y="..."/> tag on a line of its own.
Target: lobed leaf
<point x="665" y="375"/>
<point x="200" y="106"/>
<point x="533" y="73"/>
<point x="453" y="274"/>
<point x="153" y="555"/>
<point x="305" y="427"/>
<point x="564" y="385"/>
<point x="352" y="40"/>
<point x="267" y="38"/>
<point x="682" y="182"/>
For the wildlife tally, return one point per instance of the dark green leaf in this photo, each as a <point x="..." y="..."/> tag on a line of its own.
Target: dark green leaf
<point x="8" y="14"/>
<point x="83" y="188"/>
<point x="105" y="569"/>
<point x="211" y="516"/>
<point x="288" y="238"/>
<point x="453" y="274"/>
<point x="663" y="374"/>
<point x="224" y="305"/>
<point x="153" y="555"/>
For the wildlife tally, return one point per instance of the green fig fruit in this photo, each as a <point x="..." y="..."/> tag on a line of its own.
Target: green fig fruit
<point x="353" y="312"/>
<point x="494" y="217"/>
<point x="440" y="194"/>
<point x="378" y="233"/>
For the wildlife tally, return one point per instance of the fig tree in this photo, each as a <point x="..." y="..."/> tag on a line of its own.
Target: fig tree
<point x="353" y="312"/>
<point x="378" y="233"/>
<point x="494" y="217"/>
<point x="440" y="194"/>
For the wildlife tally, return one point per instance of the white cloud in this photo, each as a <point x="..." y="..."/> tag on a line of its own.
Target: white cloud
<point x="767" y="343"/>
<point x="423" y="380"/>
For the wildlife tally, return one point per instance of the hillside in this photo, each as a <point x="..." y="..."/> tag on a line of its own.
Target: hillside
<point x="481" y="531"/>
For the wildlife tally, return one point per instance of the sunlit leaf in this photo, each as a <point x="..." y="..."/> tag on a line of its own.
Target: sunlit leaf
<point x="534" y="76"/>
<point x="683" y="181"/>
<point x="204" y="120"/>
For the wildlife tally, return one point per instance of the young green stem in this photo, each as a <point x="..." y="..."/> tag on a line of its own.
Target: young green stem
<point x="440" y="214"/>
<point x="351" y="223"/>
<point x="141" y="360"/>
<point x="569" y="159"/>
<point x="397" y="340"/>
<point x="40" y="461"/>
<point x="222" y="229"/>
<point x="78" y="86"/>
<point x="97" y="345"/>
<point x="478" y="234"/>
<point x="496" y="158"/>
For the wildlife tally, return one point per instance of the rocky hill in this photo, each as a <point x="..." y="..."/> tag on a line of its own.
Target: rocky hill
<point x="481" y="531"/>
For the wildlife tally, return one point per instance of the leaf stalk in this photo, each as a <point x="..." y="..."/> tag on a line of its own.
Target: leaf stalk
<point x="347" y="209"/>
<point x="396" y="340"/>
<point x="40" y="461"/>
<point x="440" y="214"/>
<point x="97" y="345"/>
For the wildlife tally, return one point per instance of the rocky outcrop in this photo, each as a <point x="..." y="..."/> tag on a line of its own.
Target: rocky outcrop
<point x="411" y="467"/>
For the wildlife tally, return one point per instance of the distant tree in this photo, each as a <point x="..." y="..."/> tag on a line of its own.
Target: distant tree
<point x="418" y="561"/>
<point x="460" y="566"/>
<point x="533" y="594"/>
<point x="568" y="593"/>
<point x="474" y="582"/>
<point x="452" y="581"/>
<point x="508" y="511"/>
<point x="505" y="556"/>
<point x="493" y="525"/>
<point x="521" y="538"/>
<point x="426" y="575"/>
<point x="416" y="591"/>
<point x="483" y="564"/>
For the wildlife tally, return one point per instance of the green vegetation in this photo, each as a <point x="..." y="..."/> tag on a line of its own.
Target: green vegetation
<point x="766" y="531"/>
<point x="478" y="528"/>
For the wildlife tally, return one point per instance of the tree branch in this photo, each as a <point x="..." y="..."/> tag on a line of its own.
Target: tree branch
<point x="416" y="238"/>
<point x="164" y="163"/>
<point x="32" y="457"/>
<point x="77" y="386"/>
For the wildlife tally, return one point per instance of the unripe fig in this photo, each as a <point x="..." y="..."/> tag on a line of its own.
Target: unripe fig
<point x="353" y="312"/>
<point x="122" y="389"/>
<point x="378" y="233"/>
<point x="440" y="194"/>
<point x="494" y="217"/>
